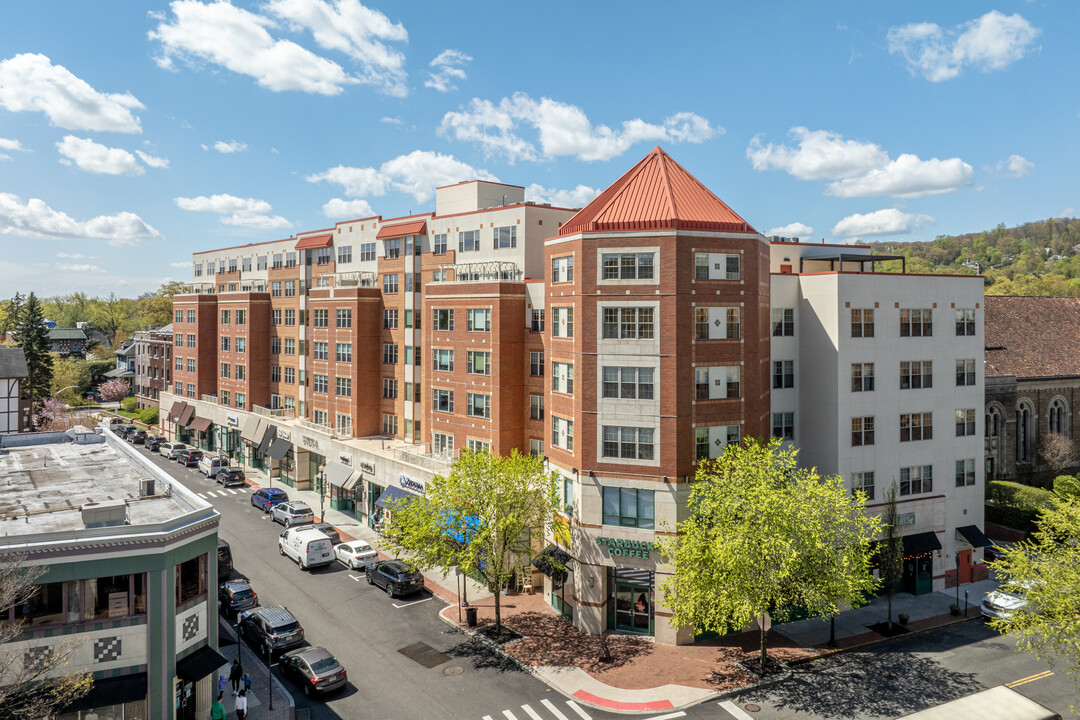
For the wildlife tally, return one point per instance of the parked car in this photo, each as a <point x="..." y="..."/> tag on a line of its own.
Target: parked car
<point x="171" y="449"/>
<point x="266" y="498"/>
<point x="993" y="551"/>
<point x="272" y="627"/>
<point x="136" y="436"/>
<point x="329" y="531"/>
<point x="314" y="669"/>
<point x="154" y="442"/>
<point x="189" y="457"/>
<point x="355" y="554"/>
<point x="224" y="560"/>
<point x="1000" y="604"/>
<point x="236" y="596"/>
<point x="395" y="577"/>
<point x="231" y="476"/>
<point x="123" y="431"/>
<point x="306" y="546"/>
<point x="292" y="513"/>
<point x="211" y="465"/>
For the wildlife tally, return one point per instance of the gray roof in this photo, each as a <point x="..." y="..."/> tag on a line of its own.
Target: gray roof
<point x="13" y="363"/>
<point x="67" y="334"/>
<point x="127" y="350"/>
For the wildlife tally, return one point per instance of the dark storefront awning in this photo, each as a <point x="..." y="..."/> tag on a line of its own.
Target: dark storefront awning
<point x="920" y="543"/>
<point x="552" y="561"/>
<point x="250" y="431"/>
<point x="279" y="448"/>
<point x="200" y="424"/>
<point x="393" y="493"/>
<point x="337" y="473"/>
<point x="973" y="535"/>
<point x="199" y="664"/>
<point x="111" y="691"/>
<point x="187" y="415"/>
<point x="269" y="435"/>
<point x="177" y="410"/>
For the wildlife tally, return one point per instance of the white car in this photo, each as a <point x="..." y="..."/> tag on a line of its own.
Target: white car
<point x="355" y="554"/>
<point x="292" y="513"/>
<point x="1001" y="604"/>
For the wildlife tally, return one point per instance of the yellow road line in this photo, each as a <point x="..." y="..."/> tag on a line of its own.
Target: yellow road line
<point x="1030" y="678"/>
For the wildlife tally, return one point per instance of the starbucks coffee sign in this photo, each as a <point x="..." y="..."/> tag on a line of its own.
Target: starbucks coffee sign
<point x="617" y="547"/>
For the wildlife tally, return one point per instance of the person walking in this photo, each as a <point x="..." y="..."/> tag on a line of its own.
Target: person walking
<point x="221" y="682"/>
<point x="241" y="705"/>
<point x="247" y="682"/>
<point x="234" y="676"/>
<point x="217" y="709"/>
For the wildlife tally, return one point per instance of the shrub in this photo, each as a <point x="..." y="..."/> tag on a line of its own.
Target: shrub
<point x="149" y="415"/>
<point x="1010" y="494"/>
<point x="129" y="403"/>
<point x="1067" y="486"/>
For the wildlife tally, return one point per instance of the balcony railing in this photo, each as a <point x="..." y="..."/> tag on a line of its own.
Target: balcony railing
<point x="209" y="398"/>
<point x="356" y="278"/>
<point x="418" y="455"/>
<point x="488" y="271"/>
<point x="324" y="429"/>
<point x="271" y="412"/>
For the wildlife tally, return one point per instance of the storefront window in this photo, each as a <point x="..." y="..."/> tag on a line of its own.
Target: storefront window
<point x="631" y="601"/>
<point x="190" y="579"/>
<point x="46" y="607"/>
<point x="628" y="507"/>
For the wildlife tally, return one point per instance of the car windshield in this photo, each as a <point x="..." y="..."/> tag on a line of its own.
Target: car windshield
<point x="243" y="594"/>
<point x="287" y="627"/>
<point x="322" y="665"/>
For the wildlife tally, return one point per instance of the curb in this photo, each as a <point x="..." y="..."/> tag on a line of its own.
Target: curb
<point x="826" y="653"/>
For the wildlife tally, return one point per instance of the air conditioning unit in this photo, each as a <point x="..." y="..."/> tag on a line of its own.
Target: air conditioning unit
<point x="146" y="487"/>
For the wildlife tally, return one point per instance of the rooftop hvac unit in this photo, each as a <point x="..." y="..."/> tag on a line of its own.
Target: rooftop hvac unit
<point x="146" y="487"/>
<point x="104" y="514"/>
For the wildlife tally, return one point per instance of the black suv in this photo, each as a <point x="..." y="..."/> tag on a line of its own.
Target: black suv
<point x="395" y="577"/>
<point x="189" y="457"/>
<point x="137" y="437"/>
<point x="272" y="627"/>
<point x="153" y="442"/>
<point x="235" y="596"/>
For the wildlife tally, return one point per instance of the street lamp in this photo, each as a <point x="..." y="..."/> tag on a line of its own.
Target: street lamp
<point x="321" y="477"/>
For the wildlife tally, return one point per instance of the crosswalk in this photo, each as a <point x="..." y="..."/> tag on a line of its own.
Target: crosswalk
<point x="220" y="493"/>
<point x="547" y="710"/>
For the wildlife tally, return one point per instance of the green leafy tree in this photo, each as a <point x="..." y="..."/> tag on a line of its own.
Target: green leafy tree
<point x="480" y="517"/>
<point x="155" y="308"/>
<point x="766" y="536"/>
<point x="1045" y="571"/>
<point x="115" y="316"/>
<point x="890" y="549"/>
<point x="33" y="338"/>
<point x="9" y="315"/>
<point x="71" y="376"/>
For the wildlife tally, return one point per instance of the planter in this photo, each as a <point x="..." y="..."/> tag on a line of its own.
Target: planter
<point x="903" y="618"/>
<point x="954" y="609"/>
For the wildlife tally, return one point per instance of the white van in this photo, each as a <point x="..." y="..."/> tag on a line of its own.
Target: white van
<point x="210" y="465"/>
<point x="307" y="547"/>
<point x="171" y="449"/>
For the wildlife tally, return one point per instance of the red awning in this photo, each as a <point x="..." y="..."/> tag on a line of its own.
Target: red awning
<point x="316" y="241"/>
<point x="415" y="227"/>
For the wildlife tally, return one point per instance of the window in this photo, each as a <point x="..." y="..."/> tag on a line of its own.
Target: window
<point x="225" y="317"/>
<point x="275" y="373"/>
<point x="241" y="399"/>
<point x="627" y="323"/>
<point x="275" y="317"/>
<point x="320" y="318"/>
<point x="275" y="346"/>
<point x="275" y="288"/>
<point x="442" y="443"/>
<point x="343" y="386"/>
<point x="245" y="264"/>
<point x="367" y="252"/>
<point x="915" y="374"/>
<point x="439" y="244"/>
<point x="241" y="317"/>
<point x="478" y="320"/>
<point x="536" y="446"/>
<point x="320" y="350"/>
<point x="504" y="237"/>
<point x="1057" y="416"/>
<point x="538" y="320"/>
<point x="536" y="364"/>
<point x="290" y="375"/>
<point x="716" y="323"/>
<point x="916" y="322"/>
<point x="260" y="262"/>
<point x="442" y="400"/>
<point x="277" y="261"/>
<point x="191" y="365"/>
<point x="562" y="322"/>
<point x="442" y="319"/>
<point x="438" y="276"/>
<point x="536" y="407"/>
<point x="389" y="424"/>
<point x="965" y="423"/>
<point x="783" y="425"/>
<point x="390" y="283"/>
<point x="178" y="316"/>
<point x="343" y="352"/>
<point x="390" y="353"/>
<point x="863" y="481"/>
<point x="862" y="431"/>
<point x="323" y="256"/>
<point x="916" y="426"/>
<point x="628" y="443"/>
<point x="198" y="270"/>
<point x="178" y="340"/>
<point x="290" y="346"/>
<point x="390" y="388"/>
<point x="562" y="377"/>
<point x="392" y="248"/>
<point x="965" y="472"/>
<point x="190" y="579"/>
<point x="862" y="377"/>
<point x="862" y="322"/>
<point x="965" y="372"/>
<point x="628" y="266"/>
<point x="241" y="372"/>
<point x="918" y="479"/>
<point x="409" y="318"/>
<point x="225" y="370"/>
<point x="627" y="383"/>
<point x="344" y="254"/>
<point x="965" y="322"/>
<point x="562" y="269"/>
<point x="290" y="317"/>
<point x="783" y="374"/>
<point x="716" y="266"/>
<point x="478" y="405"/>
<point x="562" y="433"/>
<point x="468" y="240"/>
<point x="232" y="265"/>
<point x="190" y="390"/>
<point x="478" y="445"/>
<point x="344" y="424"/>
<point x="628" y="507"/>
<point x="344" y="318"/>
<point x="389" y="319"/>
<point x="290" y="288"/>
<point x="479" y="363"/>
<point x="191" y="316"/>
<point x="710" y="442"/>
<point x="783" y="322"/>
<point x="320" y="383"/>
<point x="442" y="360"/>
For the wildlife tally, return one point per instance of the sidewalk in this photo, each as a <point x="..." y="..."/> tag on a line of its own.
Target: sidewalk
<point x="259" y="695"/>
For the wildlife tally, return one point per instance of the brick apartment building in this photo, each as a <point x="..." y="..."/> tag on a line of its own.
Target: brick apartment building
<point x="153" y="364"/>
<point x="625" y="342"/>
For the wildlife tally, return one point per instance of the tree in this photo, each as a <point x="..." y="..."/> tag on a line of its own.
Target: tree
<point x="33" y="691"/>
<point x="33" y="338"/>
<point x="9" y="315"/>
<point x="113" y="315"/>
<point x="52" y="415"/>
<point x="1046" y="572"/>
<point x="155" y="308"/>
<point x="113" y="390"/>
<point x="480" y="517"/>
<point x="1057" y="452"/>
<point x="890" y="549"/>
<point x="765" y="536"/>
<point x="72" y="376"/>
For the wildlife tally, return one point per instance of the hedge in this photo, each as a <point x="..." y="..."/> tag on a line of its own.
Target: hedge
<point x="149" y="415"/>
<point x="1067" y="486"/>
<point x="129" y="403"/>
<point x="1014" y="505"/>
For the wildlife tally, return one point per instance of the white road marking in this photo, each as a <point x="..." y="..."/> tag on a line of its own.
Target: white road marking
<point x="487" y="717"/>
<point x="357" y="579"/>
<point x="576" y="708"/>
<point x="509" y="715"/>
<point x="414" y="602"/>
<point x="532" y="713"/>
<point x="736" y="711"/>
<point x="210" y="494"/>
<point x="669" y="716"/>
<point x="202" y="495"/>
<point x="554" y="710"/>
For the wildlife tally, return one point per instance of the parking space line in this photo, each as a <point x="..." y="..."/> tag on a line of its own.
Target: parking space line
<point x="554" y="710"/>
<point x="202" y="495"/>
<point x="357" y="579"/>
<point x="576" y="708"/>
<point x="532" y="713"/>
<point x="509" y="715"/>
<point x="414" y="602"/>
<point x="736" y="711"/>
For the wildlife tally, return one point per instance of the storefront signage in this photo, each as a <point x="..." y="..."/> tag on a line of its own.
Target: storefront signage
<point x="367" y="467"/>
<point x="233" y="420"/>
<point x="309" y="442"/>
<point x="345" y="458"/>
<point x="617" y="547"/>
<point x="905" y="519"/>
<point x="411" y="483"/>
<point x="284" y="434"/>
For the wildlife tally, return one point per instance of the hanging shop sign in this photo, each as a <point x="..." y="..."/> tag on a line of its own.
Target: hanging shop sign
<point x="233" y="420"/>
<point x="408" y="482"/>
<point x="345" y="459"/>
<point x="617" y="547"/>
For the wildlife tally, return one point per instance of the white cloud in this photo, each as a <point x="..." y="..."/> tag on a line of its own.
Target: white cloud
<point x="248" y="213"/>
<point x="562" y="129"/>
<point x="338" y="208"/>
<point x="448" y="68"/>
<point x="390" y="120"/>
<point x="70" y="256"/>
<point x="227" y="148"/>
<point x="183" y="264"/>
<point x="30" y="82"/>
<point x="152" y="161"/>
<point x="416" y="174"/>
<point x="71" y="267"/>
<point x="1067" y="212"/>
<point x="578" y="197"/>
<point x="907" y="177"/>
<point x="820" y="155"/>
<point x="795" y="229"/>
<point x="888" y="221"/>
<point x="12" y="145"/>
<point x="96" y="158"/>
<point x="1016" y="165"/>
<point x="991" y="42"/>
<point x="36" y="219"/>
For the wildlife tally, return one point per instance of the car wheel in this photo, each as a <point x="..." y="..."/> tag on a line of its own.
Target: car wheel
<point x="390" y="590"/>
<point x="287" y="523"/>
<point x="303" y="566"/>
<point x="370" y="580"/>
<point x="281" y="550"/>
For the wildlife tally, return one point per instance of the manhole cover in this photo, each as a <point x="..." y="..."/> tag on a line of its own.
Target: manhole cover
<point x="424" y="654"/>
<point x="453" y="670"/>
<point x="751" y="707"/>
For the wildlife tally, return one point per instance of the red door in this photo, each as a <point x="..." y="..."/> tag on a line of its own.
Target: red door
<point x="965" y="566"/>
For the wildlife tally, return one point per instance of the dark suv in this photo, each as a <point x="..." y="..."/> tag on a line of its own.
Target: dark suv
<point x="235" y="596"/>
<point x="189" y="457"/>
<point x="137" y="437"/>
<point x="153" y="442"/>
<point x="272" y="627"/>
<point x="395" y="577"/>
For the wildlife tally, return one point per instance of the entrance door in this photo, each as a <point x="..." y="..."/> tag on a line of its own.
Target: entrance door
<point x="964" y="568"/>
<point x="632" y="601"/>
<point x="918" y="575"/>
<point x="185" y="700"/>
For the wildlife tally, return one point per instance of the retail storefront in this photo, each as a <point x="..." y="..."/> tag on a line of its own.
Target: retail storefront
<point x="251" y="435"/>
<point x="203" y="433"/>
<point x="343" y="483"/>
<point x="919" y="549"/>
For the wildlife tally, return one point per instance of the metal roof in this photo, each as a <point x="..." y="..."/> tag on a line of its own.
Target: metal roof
<point x="66" y="334"/>
<point x="316" y="241"/>
<point x="414" y="227"/>
<point x="13" y="363"/>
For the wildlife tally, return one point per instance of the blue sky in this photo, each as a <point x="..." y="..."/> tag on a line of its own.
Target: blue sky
<point x="133" y="133"/>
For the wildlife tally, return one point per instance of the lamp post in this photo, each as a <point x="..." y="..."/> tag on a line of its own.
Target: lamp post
<point x="958" y="578"/>
<point x="320" y="476"/>
<point x="270" y="674"/>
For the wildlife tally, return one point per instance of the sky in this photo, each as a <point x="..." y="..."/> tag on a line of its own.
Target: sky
<point x="133" y="134"/>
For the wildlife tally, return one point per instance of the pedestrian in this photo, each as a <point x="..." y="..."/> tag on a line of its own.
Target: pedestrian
<point x="234" y="676"/>
<point x="241" y="705"/>
<point x="247" y="682"/>
<point x="217" y="709"/>
<point x="221" y="682"/>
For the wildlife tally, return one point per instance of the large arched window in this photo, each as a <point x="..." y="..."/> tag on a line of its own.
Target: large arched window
<point x="1058" y="416"/>
<point x="1024" y="436"/>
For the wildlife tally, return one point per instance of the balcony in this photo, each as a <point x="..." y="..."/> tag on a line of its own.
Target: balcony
<point x="356" y="278"/>
<point x="418" y="455"/>
<point x="484" y="272"/>
<point x="280" y="413"/>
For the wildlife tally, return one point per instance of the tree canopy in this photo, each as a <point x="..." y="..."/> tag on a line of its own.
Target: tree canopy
<point x="33" y="337"/>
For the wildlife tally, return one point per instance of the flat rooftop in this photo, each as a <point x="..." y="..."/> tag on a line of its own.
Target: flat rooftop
<point x="42" y="488"/>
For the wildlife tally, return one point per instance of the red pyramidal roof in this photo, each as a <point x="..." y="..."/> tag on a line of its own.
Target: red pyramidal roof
<point x="656" y="194"/>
